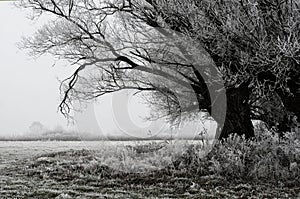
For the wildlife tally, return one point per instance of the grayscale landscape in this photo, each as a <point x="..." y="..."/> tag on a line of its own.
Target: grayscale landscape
<point x="62" y="169"/>
<point x="150" y="99"/>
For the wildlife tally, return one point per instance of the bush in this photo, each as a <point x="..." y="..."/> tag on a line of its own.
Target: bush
<point x="266" y="158"/>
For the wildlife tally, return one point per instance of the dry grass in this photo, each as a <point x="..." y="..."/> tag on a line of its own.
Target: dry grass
<point x="265" y="167"/>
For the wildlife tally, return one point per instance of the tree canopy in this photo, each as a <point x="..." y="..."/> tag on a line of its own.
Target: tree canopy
<point x="234" y="60"/>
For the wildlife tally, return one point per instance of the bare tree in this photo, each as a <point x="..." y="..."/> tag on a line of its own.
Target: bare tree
<point x="181" y="52"/>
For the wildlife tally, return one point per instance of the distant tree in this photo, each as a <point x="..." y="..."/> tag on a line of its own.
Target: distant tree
<point x="37" y="128"/>
<point x="252" y="47"/>
<point x="59" y="129"/>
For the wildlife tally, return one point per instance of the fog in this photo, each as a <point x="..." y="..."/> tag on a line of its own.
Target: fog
<point x="29" y="89"/>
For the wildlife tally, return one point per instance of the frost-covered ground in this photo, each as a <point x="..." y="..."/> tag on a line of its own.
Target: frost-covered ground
<point x="13" y="151"/>
<point x="114" y="170"/>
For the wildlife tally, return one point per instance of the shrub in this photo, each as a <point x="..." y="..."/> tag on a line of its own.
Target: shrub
<point x="266" y="157"/>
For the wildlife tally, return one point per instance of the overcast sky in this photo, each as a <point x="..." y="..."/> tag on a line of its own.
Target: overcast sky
<point x="29" y="89"/>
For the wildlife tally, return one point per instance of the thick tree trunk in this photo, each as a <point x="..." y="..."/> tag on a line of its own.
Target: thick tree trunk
<point x="238" y="113"/>
<point x="291" y="104"/>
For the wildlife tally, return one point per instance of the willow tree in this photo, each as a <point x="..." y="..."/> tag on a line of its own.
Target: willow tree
<point x="256" y="46"/>
<point x="192" y="56"/>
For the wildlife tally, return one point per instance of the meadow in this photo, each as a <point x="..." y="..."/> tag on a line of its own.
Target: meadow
<point x="265" y="167"/>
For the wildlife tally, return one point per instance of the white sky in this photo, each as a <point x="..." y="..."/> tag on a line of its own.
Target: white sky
<point x="29" y="89"/>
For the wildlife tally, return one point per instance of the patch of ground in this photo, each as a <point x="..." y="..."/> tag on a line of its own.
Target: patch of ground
<point x="79" y="174"/>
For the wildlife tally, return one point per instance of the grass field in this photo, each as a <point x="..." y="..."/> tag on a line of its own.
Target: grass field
<point x="262" y="168"/>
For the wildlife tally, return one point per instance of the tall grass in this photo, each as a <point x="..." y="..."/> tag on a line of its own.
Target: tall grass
<point x="265" y="158"/>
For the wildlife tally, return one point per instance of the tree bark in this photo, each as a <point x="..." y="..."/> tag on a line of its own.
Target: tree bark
<point x="237" y="111"/>
<point x="291" y="103"/>
<point x="237" y="119"/>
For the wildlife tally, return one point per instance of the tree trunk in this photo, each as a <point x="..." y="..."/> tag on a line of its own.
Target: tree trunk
<point x="238" y="113"/>
<point x="291" y="104"/>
